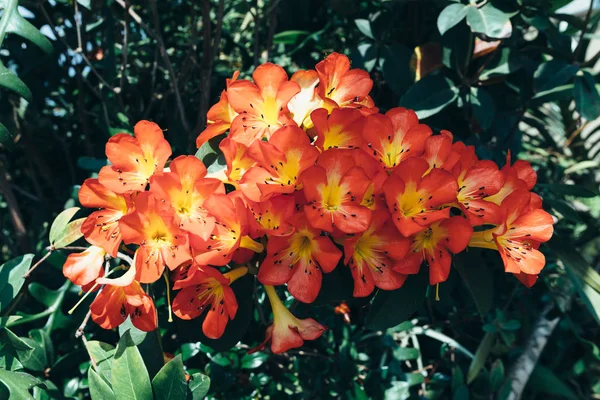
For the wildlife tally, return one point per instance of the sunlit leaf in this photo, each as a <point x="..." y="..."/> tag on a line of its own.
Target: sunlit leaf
<point x="11" y="278"/>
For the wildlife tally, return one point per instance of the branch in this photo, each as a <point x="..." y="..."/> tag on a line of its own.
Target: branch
<point x="586" y="21"/>
<point x="14" y="211"/>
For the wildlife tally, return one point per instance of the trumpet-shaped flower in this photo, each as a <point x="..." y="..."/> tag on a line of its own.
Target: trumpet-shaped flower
<point x="299" y="260"/>
<point x="434" y="245"/>
<point x="114" y="304"/>
<point x="287" y="332"/>
<point x="334" y="188"/>
<point x="372" y="255"/>
<point x="186" y="188"/>
<point x="262" y="105"/>
<point x="208" y="289"/>
<point x="341" y="129"/>
<point x="395" y="136"/>
<point x="101" y="228"/>
<point x="416" y="201"/>
<point x="162" y="243"/>
<point x="271" y="216"/>
<point x="341" y="84"/>
<point x="85" y="267"/>
<point x="135" y="159"/>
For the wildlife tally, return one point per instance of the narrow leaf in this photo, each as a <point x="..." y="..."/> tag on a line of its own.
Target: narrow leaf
<point x="481" y="356"/>
<point x="12" y="82"/>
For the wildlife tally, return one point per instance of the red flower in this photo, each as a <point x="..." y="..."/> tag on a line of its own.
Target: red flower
<point x="434" y="245"/>
<point x="287" y="332"/>
<point x="438" y="149"/>
<point x="372" y="255"/>
<point x="219" y="117"/>
<point x="135" y="159"/>
<point x="299" y="259"/>
<point x="208" y="289"/>
<point x="272" y="216"/>
<point x="334" y="188"/>
<point x="237" y="158"/>
<point x="262" y="105"/>
<point x="519" y="176"/>
<point x="341" y="84"/>
<point x="101" y="228"/>
<point x="279" y="164"/>
<point x="341" y="130"/>
<point x="519" y="235"/>
<point x="416" y="201"/>
<point x="395" y="136"/>
<point x="229" y="234"/>
<point x="186" y="188"/>
<point x="114" y="304"/>
<point x="85" y="267"/>
<point x="152" y="226"/>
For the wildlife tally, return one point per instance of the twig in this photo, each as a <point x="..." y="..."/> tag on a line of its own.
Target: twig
<point x="78" y="27"/>
<point x="256" y="28"/>
<point x="85" y="343"/>
<point x="14" y="211"/>
<point x="79" y="331"/>
<point x="583" y="31"/>
<point x="124" y="48"/>
<point x="37" y="264"/>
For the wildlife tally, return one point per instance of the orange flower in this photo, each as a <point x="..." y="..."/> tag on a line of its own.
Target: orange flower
<point x="519" y="176"/>
<point x="219" y="117"/>
<point x="271" y="216"/>
<point x="434" y="245"/>
<point x="372" y="255"/>
<point x="279" y="164"/>
<point x="438" y="149"/>
<point x="208" y="289"/>
<point x="334" y="188"/>
<point x="85" y="267"/>
<point x="519" y="235"/>
<point x="186" y="188"/>
<point x="287" y="332"/>
<point x="262" y="105"/>
<point x="341" y="84"/>
<point x="299" y="260"/>
<point x="395" y="136"/>
<point x="416" y="201"/>
<point x="307" y="100"/>
<point x="114" y="304"/>
<point x="342" y="129"/>
<point x="135" y="159"/>
<point x="229" y="234"/>
<point x="237" y="158"/>
<point x="152" y="226"/>
<point x="101" y="228"/>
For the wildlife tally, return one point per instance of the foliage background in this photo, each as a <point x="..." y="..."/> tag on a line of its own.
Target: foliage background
<point x="114" y="62"/>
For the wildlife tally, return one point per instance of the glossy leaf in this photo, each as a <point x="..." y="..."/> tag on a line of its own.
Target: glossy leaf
<point x="364" y="26"/>
<point x="20" y="26"/>
<point x="148" y="344"/>
<point x="18" y="384"/>
<point x="429" y="96"/>
<point x="11" y="278"/>
<point x="169" y="383"/>
<point x="59" y="225"/>
<point x="130" y="379"/>
<point x="212" y="157"/>
<point x="255" y="360"/>
<point x="490" y="21"/>
<point x="586" y="96"/>
<point x="199" y="385"/>
<point x="552" y="74"/>
<point x="99" y="389"/>
<point x="394" y="62"/>
<point x="12" y="82"/>
<point x="483" y="107"/>
<point x="450" y="16"/>
<point x="6" y="138"/>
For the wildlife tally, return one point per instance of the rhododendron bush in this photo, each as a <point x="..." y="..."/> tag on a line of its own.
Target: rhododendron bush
<point x="316" y="178"/>
<point x="342" y="199"/>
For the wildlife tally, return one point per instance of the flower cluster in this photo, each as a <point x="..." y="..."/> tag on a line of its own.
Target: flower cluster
<point x="316" y="179"/>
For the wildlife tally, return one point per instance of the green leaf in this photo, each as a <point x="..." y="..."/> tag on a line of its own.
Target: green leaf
<point x="13" y="349"/>
<point x="406" y="353"/>
<point x="462" y="393"/>
<point x="212" y="157"/>
<point x="289" y="37"/>
<point x="457" y="47"/>
<point x="42" y="354"/>
<point x="102" y="354"/>
<point x="99" y="388"/>
<point x="20" y="26"/>
<point x="576" y="263"/>
<point x="148" y="344"/>
<point x="552" y="74"/>
<point x="429" y="96"/>
<point x="390" y="308"/>
<point x="12" y="82"/>
<point x="394" y="62"/>
<point x="564" y="209"/>
<point x="364" y="26"/>
<point x="198" y="386"/>
<point x="6" y="138"/>
<point x="18" y="384"/>
<point x="130" y="379"/>
<point x="86" y="3"/>
<point x="483" y="107"/>
<point x="255" y="360"/>
<point x="556" y="94"/>
<point x="450" y="16"/>
<point x="505" y="62"/>
<point x="496" y="375"/>
<point x="71" y="233"/>
<point x="44" y="295"/>
<point x="566" y="190"/>
<point x="544" y="380"/>
<point x="481" y="356"/>
<point x="586" y="96"/>
<point x="365" y="56"/>
<point x="489" y="20"/>
<point x="11" y="278"/>
<point x="59" y="225"/>
<point x="477" y="277"/>
<point x="169" y="383"/>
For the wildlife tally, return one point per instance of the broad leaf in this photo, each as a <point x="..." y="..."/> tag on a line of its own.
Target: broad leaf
<point x="169" y="383"/>
<point x="552" y="74"/>
<point x="394" y="62"/>
<point x="11" y="278"/>
<point x="490" y="21"/>
<point x="99" y="389"/>
<point x="450" y="16"/>
<point x="59" y="226"/>
<point x="255" y="360"/>
<point x="12" y="82"/>
<point x="544" y="380"/>
<point x="18" y="384"/>
<point x="130" y="379"/>
<point x="198" y="386"/>
<point x="20" y="26"/>
<point x="483" y="107"/>
<point x="6" y="138"/>
<point x="212" y="157"/>
<point x="390" y="308"/>
<point x="148" y="344"/>
<point x="364" y="26"/>
<point x="481" y="356"/>
<point x="429" y="96"/>
<point x="102" y="354"/>
<point x="586" y="96"/>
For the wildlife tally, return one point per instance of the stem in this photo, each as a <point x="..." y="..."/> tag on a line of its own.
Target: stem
<point x="168" y="296"/>
<point x="583" y="31"/>
<point x="41" y="260"/>
<point x="11" y="6"/>
<point x="83" y="298"/>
